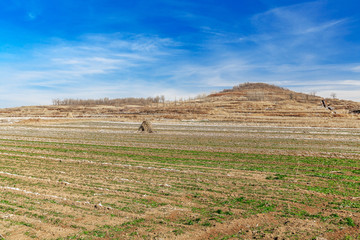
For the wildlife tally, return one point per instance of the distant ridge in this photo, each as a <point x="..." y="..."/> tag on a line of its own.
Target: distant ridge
<point x="257" y="103"/>
<point x="249" y="85"/>
<point x="268" y="92"/>
<point x="265" y="92"/>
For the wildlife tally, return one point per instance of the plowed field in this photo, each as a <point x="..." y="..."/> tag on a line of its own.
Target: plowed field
<point x="104" y="180"/>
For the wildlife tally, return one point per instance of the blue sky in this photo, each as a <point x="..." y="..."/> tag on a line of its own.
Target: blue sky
<point x="113" y="48"/>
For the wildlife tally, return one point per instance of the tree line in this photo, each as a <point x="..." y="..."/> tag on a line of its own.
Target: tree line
<point x="109" y="102"/>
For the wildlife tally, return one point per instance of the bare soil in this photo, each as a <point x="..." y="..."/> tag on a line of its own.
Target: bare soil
<point x="101" y="179"/>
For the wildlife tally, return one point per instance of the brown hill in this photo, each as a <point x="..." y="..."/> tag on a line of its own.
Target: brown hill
<point x="248" y="103"/>
<point x="263" y="95"/>
<point x="267" y="92"/>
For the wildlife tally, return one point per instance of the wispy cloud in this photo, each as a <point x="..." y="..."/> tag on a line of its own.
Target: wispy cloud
<point x="31" y="15"/>
<point x="97" y="62"/>
<point x="297" y="19"/>
<point x="290" y="46"/>
<point x="356" y="69"/>
<point x="324" y="26"/>
<point x="298" y="34"/>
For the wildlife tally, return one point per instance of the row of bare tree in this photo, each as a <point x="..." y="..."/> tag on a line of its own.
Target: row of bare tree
<point x="109" y="102"/>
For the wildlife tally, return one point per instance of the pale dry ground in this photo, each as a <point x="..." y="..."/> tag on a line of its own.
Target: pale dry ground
<point x="99" y="179"/>
<point x="248" y="103"/>
<point x="252" y="104"/>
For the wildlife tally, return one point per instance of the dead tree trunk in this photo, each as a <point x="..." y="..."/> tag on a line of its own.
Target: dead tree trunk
<point x="323" y="103"/>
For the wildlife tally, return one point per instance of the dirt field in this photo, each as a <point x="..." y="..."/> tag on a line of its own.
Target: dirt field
<point x="192" y="180"/>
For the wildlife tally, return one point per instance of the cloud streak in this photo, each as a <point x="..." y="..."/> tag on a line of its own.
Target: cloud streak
<point x="109" y="65"/>
<point x="290" y="45"/>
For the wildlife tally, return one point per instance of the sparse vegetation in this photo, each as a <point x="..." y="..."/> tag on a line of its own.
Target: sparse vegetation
<point x="95" y="179"/>
<point x="255" y="103"/>
<point x="109" y="102"/>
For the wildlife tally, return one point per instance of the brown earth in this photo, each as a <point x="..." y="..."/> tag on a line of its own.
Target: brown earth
<point x="103" y="180"/>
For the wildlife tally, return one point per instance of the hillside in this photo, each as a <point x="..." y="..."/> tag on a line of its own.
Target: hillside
<point x="248" y="102"/>
<point x="261" y="92"/>
<point x="264" y="102"/>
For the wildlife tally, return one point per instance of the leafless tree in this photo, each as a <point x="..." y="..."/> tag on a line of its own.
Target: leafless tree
<point x="107" y="101"/>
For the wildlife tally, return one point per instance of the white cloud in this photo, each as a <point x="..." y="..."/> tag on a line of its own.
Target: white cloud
<point x="324" y="26"/>
<point x="98" y="62"/>
<point x="298" y="34"/>
<point x="351" y="83"/>
<point x="341" y="94"/>
<point x="297" y="19"/>
<point x="31" y="16"/>
<point x="356" y="69"/>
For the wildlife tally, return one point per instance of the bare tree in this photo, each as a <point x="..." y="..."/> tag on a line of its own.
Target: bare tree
<point x="107" y="101"/>
<point x="162" y="99"/>
<point x="333" y="95"/>
<point x="56" y="102"/>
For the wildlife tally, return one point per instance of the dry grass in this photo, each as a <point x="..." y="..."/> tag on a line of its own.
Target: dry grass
<point x="251" y="103"/>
